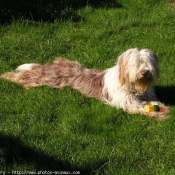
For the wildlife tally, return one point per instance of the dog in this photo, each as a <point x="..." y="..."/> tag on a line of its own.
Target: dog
<point x="127" y="85"/>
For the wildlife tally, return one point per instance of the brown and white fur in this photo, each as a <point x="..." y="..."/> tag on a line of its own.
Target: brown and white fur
<point x="127" y="85"/>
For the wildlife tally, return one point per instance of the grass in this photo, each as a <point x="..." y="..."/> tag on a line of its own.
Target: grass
<point x="54" y="130"/>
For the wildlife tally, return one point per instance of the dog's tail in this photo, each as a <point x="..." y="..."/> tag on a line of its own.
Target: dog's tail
<point x="58" y="74"/>
<point x="61" y="73"/>
<point x="11" y="76"/>
<point x="24" y="75"/>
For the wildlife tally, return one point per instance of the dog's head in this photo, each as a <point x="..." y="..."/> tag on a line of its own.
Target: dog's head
<point x="138" y="69"/>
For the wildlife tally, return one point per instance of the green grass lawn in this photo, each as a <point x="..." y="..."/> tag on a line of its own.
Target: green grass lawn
<point x="61" y="130"/>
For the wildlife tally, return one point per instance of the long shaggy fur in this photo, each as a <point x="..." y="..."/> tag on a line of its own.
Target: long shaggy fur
<point x="127" y="85"/>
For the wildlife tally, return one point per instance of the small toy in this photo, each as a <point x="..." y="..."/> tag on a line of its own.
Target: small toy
<point x="156" y="108"/>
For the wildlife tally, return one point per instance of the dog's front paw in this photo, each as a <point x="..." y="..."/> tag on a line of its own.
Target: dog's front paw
<point x="163" y="114"/>
<point x="157" y="110"/>
<point x="157" y="106"/>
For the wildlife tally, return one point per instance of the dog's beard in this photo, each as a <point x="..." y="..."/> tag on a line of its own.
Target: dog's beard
<point x="139" y="79"/>
<point x="142" y="83"/>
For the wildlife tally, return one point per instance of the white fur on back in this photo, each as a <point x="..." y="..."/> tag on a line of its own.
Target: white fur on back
<point x="113" y="87"/>
<point x="24" y="67"/>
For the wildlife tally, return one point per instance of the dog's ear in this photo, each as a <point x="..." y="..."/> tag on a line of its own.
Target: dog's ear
<point x="123" y="72"/>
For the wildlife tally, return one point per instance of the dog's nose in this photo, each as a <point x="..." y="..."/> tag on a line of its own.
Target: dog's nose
<point x="145" y="73"/>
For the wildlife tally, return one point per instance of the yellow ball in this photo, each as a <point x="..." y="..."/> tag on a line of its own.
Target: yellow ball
<point x="149" y="108"/>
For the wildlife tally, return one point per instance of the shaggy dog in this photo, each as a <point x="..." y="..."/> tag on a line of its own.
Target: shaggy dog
<point x="127" y="85"/>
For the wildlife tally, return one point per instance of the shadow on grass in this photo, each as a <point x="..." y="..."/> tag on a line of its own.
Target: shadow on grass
<point x="17" y="152"/>
<point x="166" y="94"/>
<point x="50" y="10"/>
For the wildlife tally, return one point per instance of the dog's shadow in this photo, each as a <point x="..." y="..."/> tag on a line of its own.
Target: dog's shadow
<point x="166" y="94"/>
